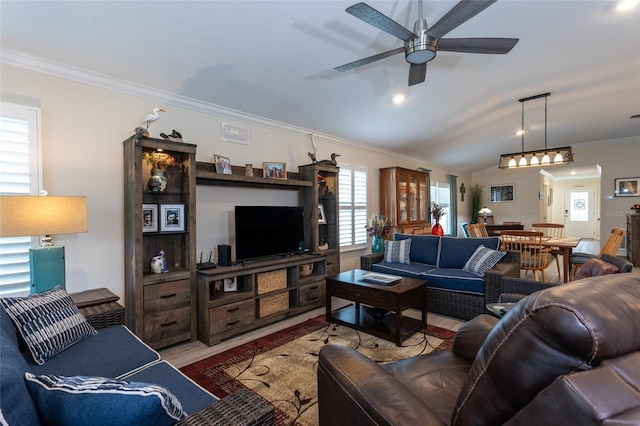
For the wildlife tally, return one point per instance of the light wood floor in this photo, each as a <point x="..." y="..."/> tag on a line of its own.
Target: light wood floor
<point x="184" y="354"/>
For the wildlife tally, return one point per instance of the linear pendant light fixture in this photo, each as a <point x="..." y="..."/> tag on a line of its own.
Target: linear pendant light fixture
<point x="543" y="157"/>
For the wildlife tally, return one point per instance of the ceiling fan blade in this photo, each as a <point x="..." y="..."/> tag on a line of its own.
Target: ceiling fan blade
<point x="458" y="15"/>
<point x="417" y="73"/>
<point x="368" y="60"/>
<point x="371" y="16"/>
<point x="477" y="45"/>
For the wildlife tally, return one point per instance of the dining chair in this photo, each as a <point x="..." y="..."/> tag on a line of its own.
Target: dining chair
<point x="552" y="230"/>
<point x="533" y="255"/>
<point x="610" y="247"/>
<point x="465" y="232"/>
<point x="482" y="228"/>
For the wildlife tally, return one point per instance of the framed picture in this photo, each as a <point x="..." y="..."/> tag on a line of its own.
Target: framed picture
<point x="502" y="193"/>
<point x="274" y="170"/>
<point x="322" y="218"/>
<point x="149" y="218"/>
<point x="171" y="217"/>
<point x="223" y="164"/>
<point x="628" y="187"/>
<point x="231" y="284"/>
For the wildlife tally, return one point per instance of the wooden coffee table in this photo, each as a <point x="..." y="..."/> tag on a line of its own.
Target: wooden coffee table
<point x="395" y="298"/>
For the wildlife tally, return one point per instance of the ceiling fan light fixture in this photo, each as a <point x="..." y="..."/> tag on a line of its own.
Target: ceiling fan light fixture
<point x="419" y="51"/>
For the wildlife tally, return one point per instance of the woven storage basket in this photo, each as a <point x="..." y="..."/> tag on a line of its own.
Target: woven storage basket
<point x="271" y="281"/>
<point x="271" y="304"/>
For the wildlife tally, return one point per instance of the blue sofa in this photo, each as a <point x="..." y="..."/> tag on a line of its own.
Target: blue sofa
<point x="113" y="352"/>
<point x="440" y="261"/>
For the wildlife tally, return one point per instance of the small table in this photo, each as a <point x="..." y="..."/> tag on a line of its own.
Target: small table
<point x="566" y="245"/>
<point x="499" y="309"/>
<point x="395" y="297"/>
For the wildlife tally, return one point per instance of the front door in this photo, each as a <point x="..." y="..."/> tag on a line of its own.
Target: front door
<point x="579" y="213"/>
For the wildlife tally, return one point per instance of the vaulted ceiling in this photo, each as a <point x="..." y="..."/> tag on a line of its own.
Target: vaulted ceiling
<point x="275" y="59"/>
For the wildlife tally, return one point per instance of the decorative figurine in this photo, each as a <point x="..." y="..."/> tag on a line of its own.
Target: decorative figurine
<point x="312" y="156"/>
<point x="331" y="162"/>
<point x="159" y="263"/>
<point x="175" y="136"/>
<point x="153" y="116"/>
<point x="462" y="191"/>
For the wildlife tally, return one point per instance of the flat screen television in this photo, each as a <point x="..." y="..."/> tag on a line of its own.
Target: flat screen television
<point x="263" y="231"/>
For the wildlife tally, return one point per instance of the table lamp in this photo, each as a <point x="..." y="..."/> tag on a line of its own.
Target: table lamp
<point x="485" y="211"/>
<point x="22" y="216"/>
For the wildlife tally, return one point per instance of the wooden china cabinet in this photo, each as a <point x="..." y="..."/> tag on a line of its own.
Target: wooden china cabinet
<point x="404" y="199"/>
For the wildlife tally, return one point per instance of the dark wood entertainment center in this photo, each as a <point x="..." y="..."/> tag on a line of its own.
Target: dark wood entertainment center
<point x="186" y="303"/>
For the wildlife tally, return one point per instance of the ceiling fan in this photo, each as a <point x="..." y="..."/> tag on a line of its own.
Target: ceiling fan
<point x="421" y="45"/>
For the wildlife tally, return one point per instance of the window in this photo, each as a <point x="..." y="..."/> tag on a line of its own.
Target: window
<point x="440" y="194"/>
<point x="19" y="175"/>
<point x="352" y="205"/>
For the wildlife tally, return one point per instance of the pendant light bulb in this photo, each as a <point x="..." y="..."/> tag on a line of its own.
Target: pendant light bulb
<point x="512" y="162"/>
<point x="557" y="158"/>
<point x="534" y="161"/>
<point x="523" y="162"/>
<point x="546" y="159"/>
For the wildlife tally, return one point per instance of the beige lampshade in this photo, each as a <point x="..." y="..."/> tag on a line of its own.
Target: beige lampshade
<point x="22" y="216"/>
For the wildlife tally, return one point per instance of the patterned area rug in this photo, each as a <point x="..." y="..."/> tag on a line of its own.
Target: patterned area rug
<point x="282" y="366"/>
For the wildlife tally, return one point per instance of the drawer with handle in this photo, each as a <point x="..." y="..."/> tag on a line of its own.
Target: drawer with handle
<point x="167" y="296"/>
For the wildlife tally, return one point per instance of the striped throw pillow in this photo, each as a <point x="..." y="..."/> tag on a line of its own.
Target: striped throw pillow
<point x="397" y="251"/>
<point x="49" y="322"/>
<point x="482" y="260"/>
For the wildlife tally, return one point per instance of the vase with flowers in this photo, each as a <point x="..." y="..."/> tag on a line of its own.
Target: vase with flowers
<point x="159" y="162"/>
<point x="437" y="212"/>
<point x="377" y="228"/>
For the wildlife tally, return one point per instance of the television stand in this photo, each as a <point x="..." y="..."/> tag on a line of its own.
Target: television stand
<point x="266" y="291"/>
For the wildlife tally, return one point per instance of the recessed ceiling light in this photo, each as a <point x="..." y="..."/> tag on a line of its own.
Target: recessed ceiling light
<point x="398" y="99"/>
<point x="627" y="4"/>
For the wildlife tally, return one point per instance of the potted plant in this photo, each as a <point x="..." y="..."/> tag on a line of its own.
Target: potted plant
<point x="476" y="202"/>
<point x="377" y="228"/>
<point x="159" y="162"/>
<point x="437" y="212"/>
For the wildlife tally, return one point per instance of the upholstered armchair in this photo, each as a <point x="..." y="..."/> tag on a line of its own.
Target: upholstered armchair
<point x="566" y="355"/>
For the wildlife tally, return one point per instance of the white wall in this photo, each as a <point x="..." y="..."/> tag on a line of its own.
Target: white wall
<point x="83" y="127"/>
<point x="617" y="158"/>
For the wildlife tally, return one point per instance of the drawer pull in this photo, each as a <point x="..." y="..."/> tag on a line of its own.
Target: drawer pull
<point x="168" y="296"/>
<point x="168" y="324"/>
<point x="313" y="298"/>
<point x="313" y="288"/>
<point x="233" y="309"/>
<point x="233" y="323"/>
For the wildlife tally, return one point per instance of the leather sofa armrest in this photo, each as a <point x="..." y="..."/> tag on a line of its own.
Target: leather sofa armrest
<point x="471" y="335"/>
<point x="369" y="259"/>
<point x="352" y="389"/>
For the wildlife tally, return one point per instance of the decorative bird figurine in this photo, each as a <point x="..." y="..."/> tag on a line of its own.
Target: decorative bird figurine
<point x="331" y="162"/>
<point x="175" y="136"/>
<point x="155" y="114"/>
<point x="312" y="156"/>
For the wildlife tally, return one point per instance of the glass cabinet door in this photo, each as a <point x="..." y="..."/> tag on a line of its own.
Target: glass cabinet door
<point x="413" y="197"/>
<point x="403" y="202"/>
<point x="422" y="198"/>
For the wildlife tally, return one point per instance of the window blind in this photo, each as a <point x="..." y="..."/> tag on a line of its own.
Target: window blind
<point x="352" y="187"/>
<point x="19" y="175"/>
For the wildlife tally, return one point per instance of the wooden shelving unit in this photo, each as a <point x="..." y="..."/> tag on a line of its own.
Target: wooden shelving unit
<point x="322" y="236"/>
<point x="160" y="308"/>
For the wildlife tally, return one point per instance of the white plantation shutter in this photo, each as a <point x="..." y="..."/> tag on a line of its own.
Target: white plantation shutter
<point x="19" y="175"/>
<point x="352" y="204"/>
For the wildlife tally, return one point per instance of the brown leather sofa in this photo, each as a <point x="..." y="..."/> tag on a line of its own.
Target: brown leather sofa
<point x="565" y="355"/>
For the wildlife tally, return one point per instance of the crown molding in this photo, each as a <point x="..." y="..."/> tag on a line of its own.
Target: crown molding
<point x="57" y="69"/>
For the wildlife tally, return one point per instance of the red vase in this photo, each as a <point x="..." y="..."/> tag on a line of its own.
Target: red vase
<point x="437" y="229"/>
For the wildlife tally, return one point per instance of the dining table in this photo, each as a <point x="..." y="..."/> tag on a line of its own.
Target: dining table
<point x="566" y="245"/>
